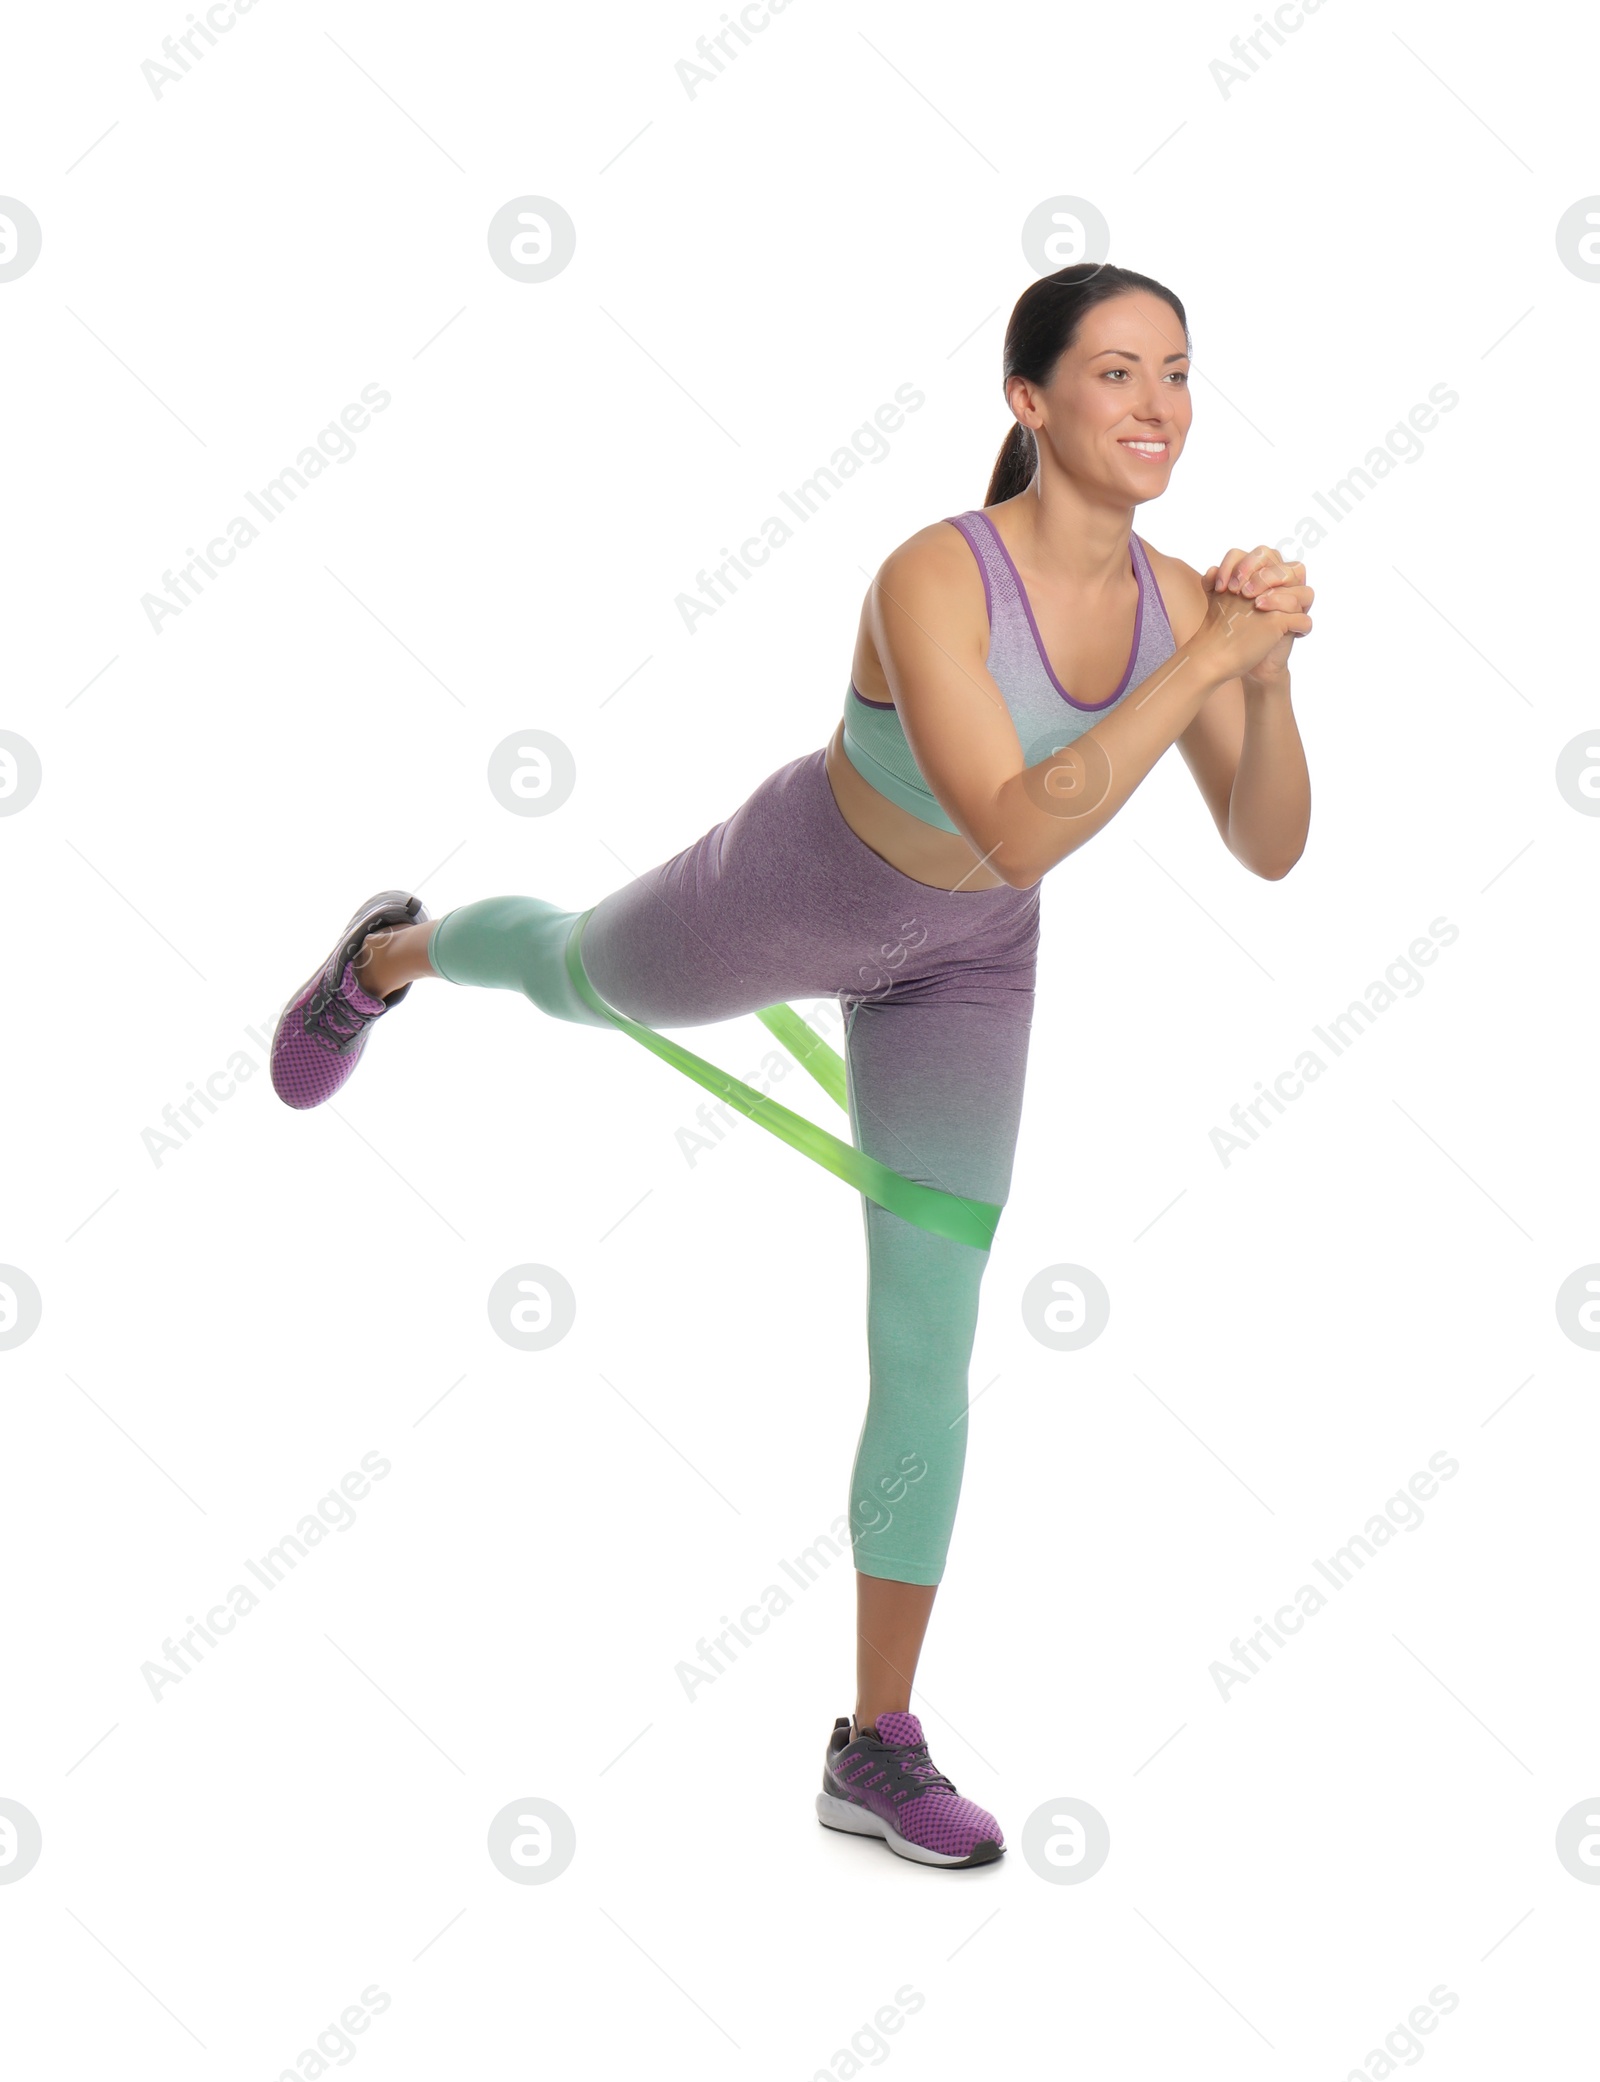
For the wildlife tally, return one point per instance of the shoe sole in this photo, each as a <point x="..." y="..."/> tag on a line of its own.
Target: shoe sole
<point x="851" y="1820"/>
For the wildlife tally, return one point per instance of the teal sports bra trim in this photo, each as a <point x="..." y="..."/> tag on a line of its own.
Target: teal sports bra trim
<point x="875" y="744"/>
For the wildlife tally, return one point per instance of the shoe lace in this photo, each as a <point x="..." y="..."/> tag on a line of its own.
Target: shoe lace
<point x="914" y="1762"/>
<point x="328" y="1018"/>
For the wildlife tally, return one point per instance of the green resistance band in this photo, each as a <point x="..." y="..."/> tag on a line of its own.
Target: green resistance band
<point x="945" y="1214"/>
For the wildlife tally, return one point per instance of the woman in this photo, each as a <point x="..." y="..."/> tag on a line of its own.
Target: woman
<point x="1018" y="671"/>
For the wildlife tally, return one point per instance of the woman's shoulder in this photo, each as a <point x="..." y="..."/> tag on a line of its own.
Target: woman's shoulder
<point x="940" y="538"/>
<point x="1183" y="591"/>
<point x="935" y="578"/>
<point x="939" y="555"/>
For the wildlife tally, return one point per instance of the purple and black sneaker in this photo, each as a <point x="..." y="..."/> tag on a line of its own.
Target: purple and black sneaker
<point x="885" y="1785"/>
<point x="324" y="1026"/>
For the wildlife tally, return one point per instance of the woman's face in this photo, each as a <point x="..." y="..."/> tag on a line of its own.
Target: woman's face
<point x="1116" y="410"/>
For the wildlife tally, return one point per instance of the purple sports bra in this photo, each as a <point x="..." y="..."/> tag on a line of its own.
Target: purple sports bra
<point x="1046" y="716"/>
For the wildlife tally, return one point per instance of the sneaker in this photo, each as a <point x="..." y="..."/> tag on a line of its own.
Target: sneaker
<point x="324" y="1027"/>
<point x="885" y="1785"/>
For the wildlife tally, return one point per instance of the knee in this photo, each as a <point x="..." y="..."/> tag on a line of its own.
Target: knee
<point x="922" y="1303"/>
<point x="514" y="943"/>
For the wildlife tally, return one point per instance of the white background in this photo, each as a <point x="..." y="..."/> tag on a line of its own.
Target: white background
<point x="226" y="1332"/>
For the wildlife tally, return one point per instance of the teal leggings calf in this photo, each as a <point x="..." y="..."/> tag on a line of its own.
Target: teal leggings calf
<point x="782" y="900"/>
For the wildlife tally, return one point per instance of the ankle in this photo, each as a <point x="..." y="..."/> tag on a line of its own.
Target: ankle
<point x="865" y="1721"/>
<point x="371" y="969"/>
<point x="384" y="961"/>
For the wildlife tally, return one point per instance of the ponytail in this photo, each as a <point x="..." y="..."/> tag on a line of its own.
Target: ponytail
<point x="1043" y="324"/>
<point x="1013" y="466"/>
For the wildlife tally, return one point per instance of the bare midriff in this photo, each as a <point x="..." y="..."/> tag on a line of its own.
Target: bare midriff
<point x="942" y="859"/>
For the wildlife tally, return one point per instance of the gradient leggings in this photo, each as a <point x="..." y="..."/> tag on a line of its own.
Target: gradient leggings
<point x="779" y="901"/>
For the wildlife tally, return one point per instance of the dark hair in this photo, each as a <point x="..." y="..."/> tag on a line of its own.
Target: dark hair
<point x="1043" y="325"/>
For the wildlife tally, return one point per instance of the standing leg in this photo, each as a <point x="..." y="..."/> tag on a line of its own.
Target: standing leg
<point x="936" y="1079"/>
<point x="891" y="1620"/>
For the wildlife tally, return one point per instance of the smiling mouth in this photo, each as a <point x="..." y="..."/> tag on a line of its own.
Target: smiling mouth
<point x="1152" y="451"/>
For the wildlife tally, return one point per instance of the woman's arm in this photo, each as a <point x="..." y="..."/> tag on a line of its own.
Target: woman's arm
<point x="930" y="631"/>
<point x="1244" y="748"/>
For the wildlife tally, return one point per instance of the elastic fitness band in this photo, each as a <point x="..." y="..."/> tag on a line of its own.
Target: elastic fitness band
<point x="945" y="1214"/>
